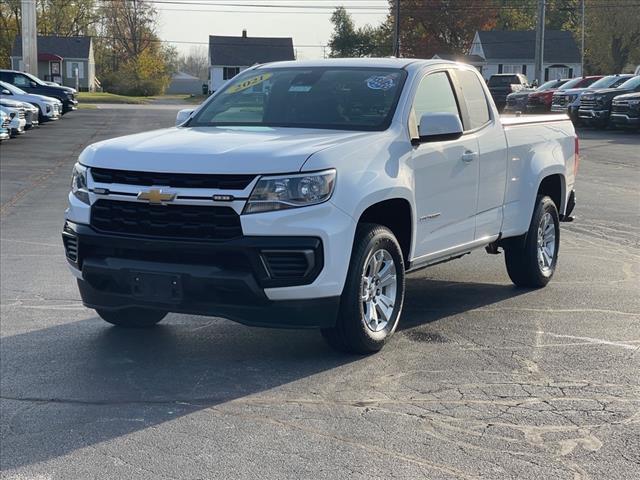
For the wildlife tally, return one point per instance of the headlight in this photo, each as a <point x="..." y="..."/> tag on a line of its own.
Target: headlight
<point x="634" y="103"/>
<point x="79" y="186"/>
<point x="291" y="191"/>
<point x="48" y="107"/>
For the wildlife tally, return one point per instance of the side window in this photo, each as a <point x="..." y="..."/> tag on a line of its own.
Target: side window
<point x="474" y="98"/>
<point x="20" y="80"/>
<point x="434" y="95"/>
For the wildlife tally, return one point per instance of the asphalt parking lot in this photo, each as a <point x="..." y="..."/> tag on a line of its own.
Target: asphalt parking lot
<point x="482" y="380"/>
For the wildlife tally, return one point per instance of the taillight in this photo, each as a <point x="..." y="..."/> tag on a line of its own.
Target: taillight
<point x="576" y="156"/>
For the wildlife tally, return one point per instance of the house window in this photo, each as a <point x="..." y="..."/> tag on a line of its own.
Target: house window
<point x="230" y="72"/>
<point x="506" y="68"/>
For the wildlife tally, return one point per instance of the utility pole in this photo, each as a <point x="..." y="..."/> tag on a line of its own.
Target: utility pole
<point x="582" y="62"/>
<point x="539" y="60"/>
<point x="29" y="37"/>
<point x="396" y="34"/>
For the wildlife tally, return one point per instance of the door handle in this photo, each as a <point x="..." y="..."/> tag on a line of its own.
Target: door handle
<point x="469" y="156"/>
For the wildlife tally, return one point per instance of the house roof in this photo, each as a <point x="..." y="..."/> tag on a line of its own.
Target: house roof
<point x="559" y="46"/>
<point x="247" y="51"/>
<point x="65" y="47"/>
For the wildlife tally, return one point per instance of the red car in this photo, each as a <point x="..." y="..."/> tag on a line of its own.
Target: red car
<point x="541" y="101"/>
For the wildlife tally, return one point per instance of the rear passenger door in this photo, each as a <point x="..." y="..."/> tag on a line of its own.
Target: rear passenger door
<point x="445" y="175"/>
<point x="478" y="120"/>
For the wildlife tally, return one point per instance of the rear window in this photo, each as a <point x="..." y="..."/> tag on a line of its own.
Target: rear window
<point x="503" y="80"/>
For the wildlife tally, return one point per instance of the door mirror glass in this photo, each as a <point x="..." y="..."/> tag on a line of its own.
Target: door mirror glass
<point x="439" y="126"/>
<point x="183" y="115"/>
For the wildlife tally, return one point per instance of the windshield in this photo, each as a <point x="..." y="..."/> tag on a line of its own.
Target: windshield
<point x="632" y="83"/>
<point x="334" y="98"/>
<point x="12" y="88"/>
<point x="567" y="84"/>
<point x="35" y="79"/>
<point x="609" y="82"/>
<point x="549" y="85"/>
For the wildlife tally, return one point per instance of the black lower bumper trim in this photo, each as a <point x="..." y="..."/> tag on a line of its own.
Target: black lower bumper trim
<point x="312" y="313"/>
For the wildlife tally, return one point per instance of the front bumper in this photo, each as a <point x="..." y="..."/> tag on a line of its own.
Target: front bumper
<point x="593" y="115"/>
<point x="226" y="279"/>
<point x="624" y="119"/>
<point x="69" y="104"/>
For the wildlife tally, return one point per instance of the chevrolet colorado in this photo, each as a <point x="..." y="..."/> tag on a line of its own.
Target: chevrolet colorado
<point x="301" y="193"/>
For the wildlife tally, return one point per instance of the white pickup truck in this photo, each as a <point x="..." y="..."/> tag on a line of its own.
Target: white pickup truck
<point x="302" y="193"/>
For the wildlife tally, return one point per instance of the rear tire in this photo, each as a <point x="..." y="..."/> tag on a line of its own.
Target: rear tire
<point x="531" y="263"/>
<point x="132" y="317"/>
<point x="373" y="294"/>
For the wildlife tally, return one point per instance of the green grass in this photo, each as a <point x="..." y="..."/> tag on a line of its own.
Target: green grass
<point x="103" y="97"/>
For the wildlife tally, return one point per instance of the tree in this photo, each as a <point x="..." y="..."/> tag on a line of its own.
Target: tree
<point x="196" y="62"/>
<point x="441" y="26"/>
<point x="613" y="37"/>
<point x="349" y="41"/>
<point x="129" y="55"/>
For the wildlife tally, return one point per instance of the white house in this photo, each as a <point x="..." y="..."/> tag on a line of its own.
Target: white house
<point x="228" y="56"/>
<point x="506" y="51"/>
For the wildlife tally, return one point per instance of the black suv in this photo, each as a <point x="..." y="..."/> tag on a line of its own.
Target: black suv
<point x="595" y="106"/>
<point x="625" y="110"/>
<point x="31" y="84"/>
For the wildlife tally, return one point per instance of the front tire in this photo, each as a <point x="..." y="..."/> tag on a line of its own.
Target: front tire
<point x="532" y="263"/>
<point x="372" y="298"/>
<point x="132" y="317"/>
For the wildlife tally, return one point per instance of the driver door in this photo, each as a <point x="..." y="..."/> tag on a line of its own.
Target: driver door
<point x="445" y="173"/>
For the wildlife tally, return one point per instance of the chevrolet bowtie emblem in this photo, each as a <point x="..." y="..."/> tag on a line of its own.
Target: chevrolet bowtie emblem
<point x="156" y="196"/>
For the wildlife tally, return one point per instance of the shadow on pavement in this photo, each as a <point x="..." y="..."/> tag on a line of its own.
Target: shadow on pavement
<point x="75" y="385"/>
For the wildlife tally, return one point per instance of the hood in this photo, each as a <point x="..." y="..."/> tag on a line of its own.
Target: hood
<point x="11" y="103"/>
<point x="32" y="97"/>
<point x="629" y="96"/>
<point x="235" y="150"/>
<point x="609" y="91"/>
<point x="571" y="91"/>
<point x="521" y="93"/>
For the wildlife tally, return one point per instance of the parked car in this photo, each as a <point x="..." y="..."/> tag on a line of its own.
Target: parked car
<point x="625" y="110"/>
<point x="517" y="102"/>
<point x="568" y="101"/>
<point x="5" y="134"/>
<point x="31" y="84"/>
<point x="307" y="209"/>
<point x="49" y="108"/>
<point x="17" y="121"/>
<point x="503" y="84"/>
<point x="540" y="102"/>
<point x="595" y="106"/>
<point x="30" y="112"/>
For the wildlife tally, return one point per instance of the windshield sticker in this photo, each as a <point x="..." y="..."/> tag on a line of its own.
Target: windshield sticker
<point x="380" y="82"/>
<point x="248" y="83"/>
<point x="300" y="88"/>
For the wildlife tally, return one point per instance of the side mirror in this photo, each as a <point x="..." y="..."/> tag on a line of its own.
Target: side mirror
<point x="33" y="84"/>
<point x="439" y="126"/>
<point x="6" y="92"/>
<point x="183" y="115"/>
